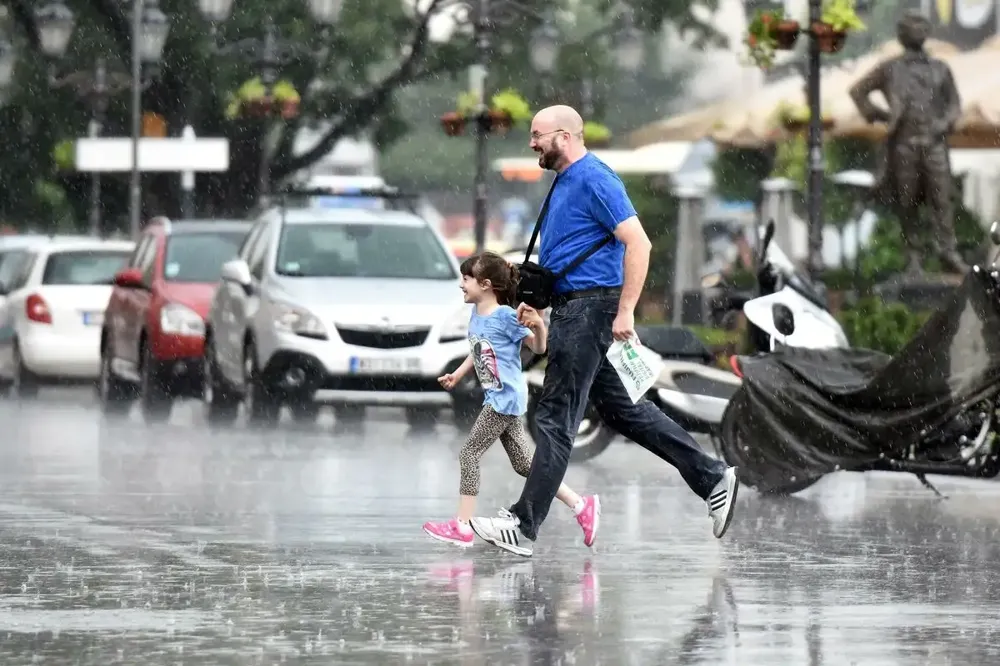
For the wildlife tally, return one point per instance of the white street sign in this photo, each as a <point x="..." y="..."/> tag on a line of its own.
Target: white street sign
<point x="173" y="154"/>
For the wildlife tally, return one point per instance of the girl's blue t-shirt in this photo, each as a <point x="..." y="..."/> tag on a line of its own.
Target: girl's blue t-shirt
<point x="495" y="343"/>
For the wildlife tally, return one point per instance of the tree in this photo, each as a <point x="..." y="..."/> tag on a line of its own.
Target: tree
<point x="347" y="77"/>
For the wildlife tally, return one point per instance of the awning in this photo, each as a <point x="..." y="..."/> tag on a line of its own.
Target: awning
<point x="659" y="158"/>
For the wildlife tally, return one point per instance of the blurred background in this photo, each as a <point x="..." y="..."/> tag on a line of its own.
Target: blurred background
<point x="348" y="93"/>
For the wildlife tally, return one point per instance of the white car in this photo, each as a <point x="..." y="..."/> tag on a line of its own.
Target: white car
<point x="347" y="307"/>
<point x="50" y="323"/>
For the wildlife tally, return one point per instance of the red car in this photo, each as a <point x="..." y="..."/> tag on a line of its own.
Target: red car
<point x="153" y="337"/>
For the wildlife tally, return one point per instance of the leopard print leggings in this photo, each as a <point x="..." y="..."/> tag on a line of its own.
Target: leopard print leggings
<point x="490" y="426"/>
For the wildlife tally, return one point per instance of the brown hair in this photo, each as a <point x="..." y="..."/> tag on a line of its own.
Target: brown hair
<point x="502" y="274"/>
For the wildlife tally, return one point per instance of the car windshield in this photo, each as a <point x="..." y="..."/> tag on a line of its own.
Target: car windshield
<point x="80" y="267"/>
<point x="198" y="257"/>
<point x="362" y="250"/>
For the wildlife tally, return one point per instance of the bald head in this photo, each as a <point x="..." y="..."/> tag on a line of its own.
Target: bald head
<point x="557" y="137"/>
<point x="560" y="117"/>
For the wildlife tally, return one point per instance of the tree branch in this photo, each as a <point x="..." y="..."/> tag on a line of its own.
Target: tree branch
<point x="370" y="103"/>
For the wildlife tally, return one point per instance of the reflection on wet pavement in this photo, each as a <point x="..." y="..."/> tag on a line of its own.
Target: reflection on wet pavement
<point x="125" y="545"/>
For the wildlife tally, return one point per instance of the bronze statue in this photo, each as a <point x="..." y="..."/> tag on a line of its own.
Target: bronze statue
<point x="924" y="106"/>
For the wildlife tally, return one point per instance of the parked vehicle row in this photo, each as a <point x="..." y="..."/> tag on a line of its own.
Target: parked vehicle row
<point x="299" y="308"/>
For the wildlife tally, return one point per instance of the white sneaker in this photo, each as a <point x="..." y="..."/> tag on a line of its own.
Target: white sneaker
<point x="503" y="532"/>
<point x="722" y="501"/>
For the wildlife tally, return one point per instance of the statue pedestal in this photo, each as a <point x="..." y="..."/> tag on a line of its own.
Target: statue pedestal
<point x="924" y="292"/>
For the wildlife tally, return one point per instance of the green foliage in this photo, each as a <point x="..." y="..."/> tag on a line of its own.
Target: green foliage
<point x="595" y="132"/>
<point x="873" y="324"/>
<point x="760" y="40"/>
<point x="885" y="256"/>
<point x="64" y="155"/>
<point x="738" y="172"/>
<point x="841" y="15"/>
<point x="510" y="102"/>
<point x="657" y="209"/>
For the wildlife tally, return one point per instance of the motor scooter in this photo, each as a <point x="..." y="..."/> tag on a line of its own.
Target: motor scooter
<point x="930" y="409"/>
<point x="690" y="389"/>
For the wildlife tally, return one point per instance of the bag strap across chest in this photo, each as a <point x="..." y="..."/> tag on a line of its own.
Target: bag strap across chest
<point x="538" y="227"/>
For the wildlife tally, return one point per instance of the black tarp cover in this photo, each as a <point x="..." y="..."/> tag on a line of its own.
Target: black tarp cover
<point x="803" y="413"/>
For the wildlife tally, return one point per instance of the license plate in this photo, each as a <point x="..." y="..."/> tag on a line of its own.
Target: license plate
<point x="93" y="318"/>
<point x="384" y="366"/>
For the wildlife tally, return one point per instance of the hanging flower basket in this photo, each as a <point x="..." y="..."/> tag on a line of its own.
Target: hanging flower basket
<point x="507" y="108"/>
<point x="829" y="40"/>
<point x="786" y="34"/>
<point x="453" y="123"/>
<point x="264" y="107"/>
<point x="500" y="122"/>
<point x="255" y="100"/>
<point x="761" y="40"/>
<point x="596" y="135"/>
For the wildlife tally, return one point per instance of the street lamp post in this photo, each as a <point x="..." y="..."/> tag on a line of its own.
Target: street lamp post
<point x="270" y="53"/>
<point x="814" y="148"/>
<point x="815" y="163"/>
<point x="150" y="29"/>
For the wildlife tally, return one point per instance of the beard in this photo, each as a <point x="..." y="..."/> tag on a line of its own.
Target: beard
<point x="548" y="158"/>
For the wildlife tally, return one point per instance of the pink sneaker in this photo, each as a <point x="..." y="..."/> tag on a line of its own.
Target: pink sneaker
<point x="590" y="519"/>
<point x="450" y="532"/>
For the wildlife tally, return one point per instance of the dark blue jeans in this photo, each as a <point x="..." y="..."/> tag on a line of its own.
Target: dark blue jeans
<point x="579" y="337"/>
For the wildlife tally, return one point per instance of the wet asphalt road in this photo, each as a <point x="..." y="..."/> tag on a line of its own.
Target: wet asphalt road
<point x="128" y="545"/>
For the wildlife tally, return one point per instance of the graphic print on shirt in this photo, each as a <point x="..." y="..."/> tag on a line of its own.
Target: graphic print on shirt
<point x="485" y="361"/>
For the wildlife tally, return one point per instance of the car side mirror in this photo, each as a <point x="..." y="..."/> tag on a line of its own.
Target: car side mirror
<point x="995" y="233"/>
<point x="129" y="278"/>
<point x="784" y="320"/>
<point x="238" y="272"/>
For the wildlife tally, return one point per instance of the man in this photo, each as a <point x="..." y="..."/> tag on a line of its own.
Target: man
<point x="594" y="304"/>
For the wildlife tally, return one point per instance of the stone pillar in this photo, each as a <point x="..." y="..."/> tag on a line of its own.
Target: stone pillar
<point x="690" y="253"/>
<point x="777" y="206"/>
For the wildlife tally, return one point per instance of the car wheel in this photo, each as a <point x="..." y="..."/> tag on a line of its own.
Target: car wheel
<point x="115" y="396"/>
<point x="421" y="418"/>
<point x="222" y="405"/>
<point x="304" y="412"/>
<point x="25" y="383"/>
<point x="263" y="406"/>
<point x="154" y="398"/>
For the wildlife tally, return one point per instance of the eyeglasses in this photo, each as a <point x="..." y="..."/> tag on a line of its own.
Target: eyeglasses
<point x="537" y="135"/>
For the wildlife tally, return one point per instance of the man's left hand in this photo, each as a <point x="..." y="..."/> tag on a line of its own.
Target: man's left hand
<point x="624" y="326"/>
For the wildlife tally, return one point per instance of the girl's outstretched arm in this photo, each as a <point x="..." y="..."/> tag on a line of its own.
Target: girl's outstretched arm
<point x="538" y="340"/>
<point x="463" y="370"/>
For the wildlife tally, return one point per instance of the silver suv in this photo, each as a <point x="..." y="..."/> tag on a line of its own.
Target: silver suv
<point x="346" y="307"/>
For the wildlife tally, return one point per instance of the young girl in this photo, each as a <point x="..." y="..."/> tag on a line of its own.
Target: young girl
<point x="495" y="337"/>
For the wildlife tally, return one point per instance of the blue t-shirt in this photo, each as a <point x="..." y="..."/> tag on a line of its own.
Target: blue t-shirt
<point x="495" y="343"/>
<point x="588" y="203"/>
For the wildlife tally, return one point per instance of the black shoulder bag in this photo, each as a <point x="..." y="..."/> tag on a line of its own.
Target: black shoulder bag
<point x="537" y="283"/>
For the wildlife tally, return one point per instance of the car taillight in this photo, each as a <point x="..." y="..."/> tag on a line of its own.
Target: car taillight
<point x="37" y="310"/>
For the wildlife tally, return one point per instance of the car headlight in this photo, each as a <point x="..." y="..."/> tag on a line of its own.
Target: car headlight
<point x="179" y="319"/>
<point x="457" y="325"/>
<point x="292" y="319"/>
